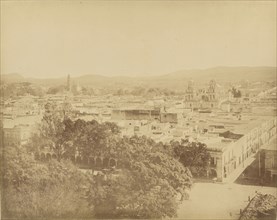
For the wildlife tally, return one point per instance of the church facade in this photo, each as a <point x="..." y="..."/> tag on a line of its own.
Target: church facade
<point x="197" y="99"/>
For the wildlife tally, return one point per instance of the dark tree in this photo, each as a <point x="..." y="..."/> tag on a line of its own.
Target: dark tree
<point x="33" y="190"/>
<point x="193" y="155"/>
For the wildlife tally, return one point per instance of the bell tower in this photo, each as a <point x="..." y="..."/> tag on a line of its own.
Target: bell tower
<point x="212" y="91"/>
<point x="68" y="85"/>
<point x="190" y="91"/>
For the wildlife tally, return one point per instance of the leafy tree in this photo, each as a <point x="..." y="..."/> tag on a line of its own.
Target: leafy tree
<point x="193" y="155"/>
<point x="21" y="89"/>
<point x="154" y="178"/>
<point x="38" y="190"/>
<point x="236" y="93"/>
<point x="138" y="91"/>
<point x="55" y="132"/>
<point x="92" y="138"/>
<point x="56" y="89"/>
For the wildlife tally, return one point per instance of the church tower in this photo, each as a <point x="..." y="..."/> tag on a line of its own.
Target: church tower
<point x="190" y="101"/>
<point x="190" y="91"/>
<point x="68" y="86"/>
<point x="212" y="95"/>
<point x="212" y="91"/>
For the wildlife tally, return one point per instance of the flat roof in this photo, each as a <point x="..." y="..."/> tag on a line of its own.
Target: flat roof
<point x="243" y="126"/>
<point x="214" y="143"/>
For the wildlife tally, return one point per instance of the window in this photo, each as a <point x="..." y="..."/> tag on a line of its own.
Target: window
<point x="229" y="156"/>
<point x="213" y="160"/>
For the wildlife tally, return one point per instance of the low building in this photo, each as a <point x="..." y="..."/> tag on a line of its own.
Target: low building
<point x="144" y="114"/>
<point x="169" y="117"/>
<point x="135" y="114"/>
<point x="230" y="156"/>
<point x="16" y="135"/>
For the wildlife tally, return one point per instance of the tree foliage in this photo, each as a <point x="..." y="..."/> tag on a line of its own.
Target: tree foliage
<point x="37" y="190"/>
<point x="55" y="132"/>
<point x="154" y="178"/>
<point x="193" y="155"/>
<point x="236" y="93"/>
<point x="148" y="179"/>
<point x="142" y="91"/>
<point x="21" y="89"/>
<point x="56" y="89"/>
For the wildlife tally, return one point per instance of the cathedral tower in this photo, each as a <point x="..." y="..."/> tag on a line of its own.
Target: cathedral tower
<point x="68" y="86"/>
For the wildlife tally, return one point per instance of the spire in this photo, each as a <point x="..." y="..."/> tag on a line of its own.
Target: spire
<point x="68" y="86"/>
<point x="212" y="86"/>
<point x="190" y="86"/>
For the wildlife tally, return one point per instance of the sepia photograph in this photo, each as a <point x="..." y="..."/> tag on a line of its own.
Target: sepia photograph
<point x="150" y="109"/>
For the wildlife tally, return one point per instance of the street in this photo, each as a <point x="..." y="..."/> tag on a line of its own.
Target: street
<point x="219" y="201"/>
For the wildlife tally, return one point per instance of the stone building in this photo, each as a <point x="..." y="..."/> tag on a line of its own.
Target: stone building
<point x="201" y="98"/>
<point x="231" y="157"/>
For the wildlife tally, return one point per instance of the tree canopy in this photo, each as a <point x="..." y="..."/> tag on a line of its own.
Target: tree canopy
<point x="193" y="155"/>
<point x="154" y="177"/>
<point x="36" y="190"/>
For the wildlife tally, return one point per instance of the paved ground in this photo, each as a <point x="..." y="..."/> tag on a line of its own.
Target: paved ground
<point x="218" y="201"/>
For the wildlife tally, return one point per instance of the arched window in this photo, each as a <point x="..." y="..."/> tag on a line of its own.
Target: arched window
<point x="112" y="162"/>
<point x="42" y="156"/>
<point x="78" y="160"/>
<point x="98" y="162"/>
<point x="48" y="156"/>
<point x="91" y="161"/>
<point x="106" y="162"/>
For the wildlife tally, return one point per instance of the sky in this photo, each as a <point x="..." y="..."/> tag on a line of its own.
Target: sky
<point x="55" y="38"/>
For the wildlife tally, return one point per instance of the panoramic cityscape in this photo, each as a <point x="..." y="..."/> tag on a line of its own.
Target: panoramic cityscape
<point x="166" y="140"/>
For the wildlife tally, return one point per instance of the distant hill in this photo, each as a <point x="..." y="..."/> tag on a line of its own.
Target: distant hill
<point x="174" y="80"/>
<point x="230" y="74"/>
<point x="12" y="78"/>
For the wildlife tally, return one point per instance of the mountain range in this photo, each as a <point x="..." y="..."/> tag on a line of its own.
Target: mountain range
<point x="175" y="80"/>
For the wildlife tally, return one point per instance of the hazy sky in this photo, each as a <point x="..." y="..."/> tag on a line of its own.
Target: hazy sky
<point x="56" y="38"/>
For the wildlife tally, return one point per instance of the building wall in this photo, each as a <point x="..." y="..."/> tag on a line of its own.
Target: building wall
<point x="17" y="135"/>
<point x="138" y="115"/>
<point x="169" y="118"/>
<point x="216" y="164"/>
<point x="118" y="114"/>
<point x="196" y="104"/>
<point x="269" y="166"/>
<point x="145" y="115"/>
<point x="12" y="136"/>
<point x="270" y="160"/>
<point x="234" y="154"/>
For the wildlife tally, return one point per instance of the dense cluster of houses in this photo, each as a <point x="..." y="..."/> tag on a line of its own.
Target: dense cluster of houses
<point x="232" y="128"/>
